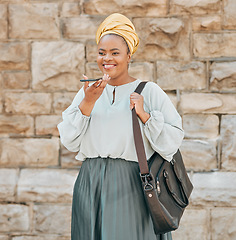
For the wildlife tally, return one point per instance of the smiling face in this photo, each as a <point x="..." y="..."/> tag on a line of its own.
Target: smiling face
<point x="113" y="56"/>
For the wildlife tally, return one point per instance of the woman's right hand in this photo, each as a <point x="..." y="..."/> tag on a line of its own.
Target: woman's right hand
<point x="92" y="93"/>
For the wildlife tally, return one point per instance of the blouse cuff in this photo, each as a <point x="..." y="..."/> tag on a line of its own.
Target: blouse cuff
<point x="155" y="116"/>
<point x="82" y="115"/>
<point x="154" y="125"/>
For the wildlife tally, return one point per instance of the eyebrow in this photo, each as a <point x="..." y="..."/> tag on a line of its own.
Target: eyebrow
<point x="113" y="49"/>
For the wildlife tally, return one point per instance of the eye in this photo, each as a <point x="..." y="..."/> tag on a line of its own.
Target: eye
<point x="101" y="53"/>
<point x="115" y="53"/>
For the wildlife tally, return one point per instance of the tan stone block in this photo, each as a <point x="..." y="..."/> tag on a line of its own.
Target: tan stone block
<point x="29" y="152"/>
<point x="28" y="103"/>
<point x="162" y="38"/>
<point x="142" y="70"/>
<point x="47" y="125"/>
<point x="91" y="51"/>
<point x="223" y="222"/>
<point x="14" y="56"/>
<point x="229" y="14"/>
<point x="194" y="225"/>
<point x="228" y="133"/>
<point x="57" y="65"/>
<point x="16" y="125"/>
<point x="214" y="45"/>
<point x="14" y="217"/>
<point x="214" y="189"/>
<point x="4" y="237"/>
<point x="68" y="158"/>
<point x="8" y="181"/>
<point x="207" y="23"/>
<point x="46" y="185"/>
<point x="223" y="76"/>
<point x="52" y="219"/>
<point x="173" y="98"/>
<point x="195" y="6"/>
<point x="37" y="20"/>
<point x="135" y="8"/>
<point x="199" y="155"/>
<point x="83" y="27"/>
<point x="41" y="237"/>
<point x="1" y="103"/>
<point x="70" y="9"/>
<point x="181" y="75"/>
<point x="1" y="82"/>
<point x="201" y="126"/>
<point x="3" y="21"/>
<point x="61" y="101"/>
<point x="208" y="103"/>
<point x="16" y="80"/>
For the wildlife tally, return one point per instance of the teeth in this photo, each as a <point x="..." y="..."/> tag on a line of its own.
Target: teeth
<point x="108" y="65"/>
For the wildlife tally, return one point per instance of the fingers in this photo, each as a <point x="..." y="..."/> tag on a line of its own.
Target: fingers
<point x="97" y="83"/>
<point x="135" y="97"/>
<point x="132" y="102"/>
<point x="132" y="105"/>
<point x="85" y="77"/>
<point x="86" y="84"/>
<point x="106" y="77"/>
<point x="103" y="82"/>
<point x="136" y="100"/>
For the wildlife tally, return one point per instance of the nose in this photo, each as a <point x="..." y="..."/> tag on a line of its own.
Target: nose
<point x="107" y="57"/>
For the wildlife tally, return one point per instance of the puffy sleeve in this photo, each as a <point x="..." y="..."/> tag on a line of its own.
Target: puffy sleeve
<point x="164" y="128"/>
<point x="74" y="124"/>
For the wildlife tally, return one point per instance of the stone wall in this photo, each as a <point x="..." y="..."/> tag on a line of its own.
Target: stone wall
<point x="187" y="47"/>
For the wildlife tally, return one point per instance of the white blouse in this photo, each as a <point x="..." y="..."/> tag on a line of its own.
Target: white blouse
<point x="108" y="132"/>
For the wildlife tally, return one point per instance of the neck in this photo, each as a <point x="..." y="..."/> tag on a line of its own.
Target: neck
<point x="121" y="80"/>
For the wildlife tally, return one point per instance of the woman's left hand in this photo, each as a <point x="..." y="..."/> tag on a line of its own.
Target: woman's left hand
<point x="136" y="101"/>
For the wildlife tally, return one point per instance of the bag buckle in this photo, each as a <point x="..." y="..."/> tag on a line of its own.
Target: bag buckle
<point x="146" y="178"/>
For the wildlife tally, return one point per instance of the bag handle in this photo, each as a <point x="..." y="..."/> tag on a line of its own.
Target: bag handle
<point x="138" y="140"/>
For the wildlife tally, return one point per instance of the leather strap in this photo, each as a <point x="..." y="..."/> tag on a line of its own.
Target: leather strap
<point x="138" y="140"/>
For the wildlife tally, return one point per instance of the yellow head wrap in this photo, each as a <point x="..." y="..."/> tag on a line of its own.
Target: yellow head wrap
<point x="119" y="24"/>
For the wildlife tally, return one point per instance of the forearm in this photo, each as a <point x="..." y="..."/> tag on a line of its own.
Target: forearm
<point x="144" y="116"/>
<point x="86" y="107"/>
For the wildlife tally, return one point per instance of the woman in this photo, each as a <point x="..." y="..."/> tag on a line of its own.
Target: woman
<point x="108" y="202"/>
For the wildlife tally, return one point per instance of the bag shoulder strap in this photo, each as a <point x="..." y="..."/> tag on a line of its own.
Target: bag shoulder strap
<point x="138" y="140"/>
<point x="140" y="87"/>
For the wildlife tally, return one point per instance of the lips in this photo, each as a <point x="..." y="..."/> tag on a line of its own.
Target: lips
<point x="108" y="66"/>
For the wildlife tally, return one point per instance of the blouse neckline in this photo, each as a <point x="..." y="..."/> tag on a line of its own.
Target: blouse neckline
<point x="123" y="85"/>
<point x="120" y="91"/>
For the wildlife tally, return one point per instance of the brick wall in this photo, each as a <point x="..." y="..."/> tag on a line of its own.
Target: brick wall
<point x="187" y="47"/>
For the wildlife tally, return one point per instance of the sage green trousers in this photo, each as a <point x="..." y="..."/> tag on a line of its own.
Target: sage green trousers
<point x="109" y="204"/>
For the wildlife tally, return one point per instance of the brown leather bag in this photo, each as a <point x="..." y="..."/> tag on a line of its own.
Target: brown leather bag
<point x="166" y="185"/>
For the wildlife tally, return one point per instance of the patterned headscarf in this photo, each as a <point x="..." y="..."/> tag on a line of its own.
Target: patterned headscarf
<point x="118" y="24"/>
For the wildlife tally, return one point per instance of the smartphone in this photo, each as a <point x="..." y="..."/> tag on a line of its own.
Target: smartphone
<point x="90" y="80"/>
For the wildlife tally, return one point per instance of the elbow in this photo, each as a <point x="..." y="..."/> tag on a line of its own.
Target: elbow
<point x="69" y="145"/>
<point x="171" y="146"/>
<point x="67" y="141"/>
<point x="181" y="136"/>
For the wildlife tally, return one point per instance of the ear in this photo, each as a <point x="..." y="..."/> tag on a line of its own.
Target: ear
<point x="129" y="57"/>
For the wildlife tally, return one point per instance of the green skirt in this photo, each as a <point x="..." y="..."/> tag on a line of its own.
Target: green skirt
<point x="109" y="204"/>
